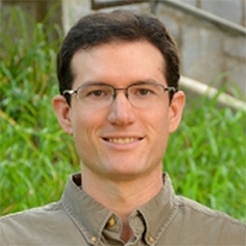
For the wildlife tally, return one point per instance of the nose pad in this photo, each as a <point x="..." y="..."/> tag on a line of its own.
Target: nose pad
<point x="121" y="89"/>
<point x="127" y="95"/>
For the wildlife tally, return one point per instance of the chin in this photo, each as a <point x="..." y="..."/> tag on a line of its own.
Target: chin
<point x="125" y="173"/>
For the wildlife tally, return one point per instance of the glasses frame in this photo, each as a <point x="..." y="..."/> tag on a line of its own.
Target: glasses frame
<point x="171" y="89"/>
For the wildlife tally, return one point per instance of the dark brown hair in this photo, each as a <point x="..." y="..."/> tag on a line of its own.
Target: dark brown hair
<point x="124" y="25"/>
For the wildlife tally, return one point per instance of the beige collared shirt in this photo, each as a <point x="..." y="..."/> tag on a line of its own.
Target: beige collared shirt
<point x="77" y="219"/>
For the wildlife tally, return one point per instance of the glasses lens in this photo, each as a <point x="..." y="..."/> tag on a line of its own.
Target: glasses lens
<point x="145" y="95"/>
<point x="96" y="95"/>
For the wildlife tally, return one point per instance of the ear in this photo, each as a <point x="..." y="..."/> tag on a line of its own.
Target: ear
<point x="62" y="110"/>
<point x="176" y="110"/>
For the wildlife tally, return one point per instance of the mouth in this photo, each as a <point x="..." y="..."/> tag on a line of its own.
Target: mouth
<point x="122" y="140"/>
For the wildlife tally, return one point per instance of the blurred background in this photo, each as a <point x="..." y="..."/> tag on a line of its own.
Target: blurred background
<point x="210" y="33"/>
<point x="206" y="156"/>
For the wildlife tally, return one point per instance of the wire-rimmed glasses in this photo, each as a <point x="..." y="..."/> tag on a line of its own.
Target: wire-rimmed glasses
<point x="140" y="95"/>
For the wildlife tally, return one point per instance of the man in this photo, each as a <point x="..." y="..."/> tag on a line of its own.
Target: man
<point x="118" y="75"/>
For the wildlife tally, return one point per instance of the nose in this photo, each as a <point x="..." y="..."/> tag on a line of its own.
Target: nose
<point x="121" y="112"/>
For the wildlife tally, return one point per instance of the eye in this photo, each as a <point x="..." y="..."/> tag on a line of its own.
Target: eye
<point x="96" y="93"/>
<point x="143" y="91"/>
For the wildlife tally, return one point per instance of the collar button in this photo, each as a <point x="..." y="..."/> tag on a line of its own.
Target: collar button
<point x="150" y="239"/>
<point x="93" y="240"/>
<point x="111" y="222"/>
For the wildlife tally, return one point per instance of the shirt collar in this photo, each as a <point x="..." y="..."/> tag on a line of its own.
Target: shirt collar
<point x="91" y="217"/>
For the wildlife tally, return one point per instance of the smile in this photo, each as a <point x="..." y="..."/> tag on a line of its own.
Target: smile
<point x="122" y="140"/>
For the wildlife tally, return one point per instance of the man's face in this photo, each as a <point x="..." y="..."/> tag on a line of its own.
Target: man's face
<point x="120" y="141"/>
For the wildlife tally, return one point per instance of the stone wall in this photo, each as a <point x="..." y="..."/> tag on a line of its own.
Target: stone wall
<point x="209" y="54"/>
<point x="232" y="10"/>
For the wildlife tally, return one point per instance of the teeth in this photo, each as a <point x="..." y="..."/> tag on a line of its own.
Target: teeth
<point x="122" y="140"/>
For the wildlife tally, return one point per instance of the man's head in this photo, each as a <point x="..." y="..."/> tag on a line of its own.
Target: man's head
<point x="117" y="69"/>
<point x="120" y="25"/>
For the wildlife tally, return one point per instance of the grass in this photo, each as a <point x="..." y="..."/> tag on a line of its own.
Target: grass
<point x="205" y="158"/>
<point x="209" y="161"/>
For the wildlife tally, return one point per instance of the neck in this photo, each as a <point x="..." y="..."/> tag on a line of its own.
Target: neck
<point x="124" y="196"/>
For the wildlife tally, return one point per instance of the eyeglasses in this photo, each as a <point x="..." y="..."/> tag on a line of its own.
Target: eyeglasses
<point x="140" y="95"/>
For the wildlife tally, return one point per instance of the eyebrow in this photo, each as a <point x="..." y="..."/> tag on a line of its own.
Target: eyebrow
<point x="88" y="83"/>
<point x="138" y="82"/>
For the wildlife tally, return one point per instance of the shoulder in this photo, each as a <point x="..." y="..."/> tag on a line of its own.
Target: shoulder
<point x="39" y="212"/>
<point x="31" y="218"/>
<point x="215" y="226"/>
<point x="31" y="224"/>
<point x="201" y="210"/>
<point x="47" y="225"/>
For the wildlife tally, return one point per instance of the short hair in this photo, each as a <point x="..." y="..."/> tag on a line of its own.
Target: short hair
<point x="119" y="25"/>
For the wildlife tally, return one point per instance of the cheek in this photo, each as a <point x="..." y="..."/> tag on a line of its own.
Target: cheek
<point x="158" y="126"/>
<point x="162" y="128"/>
<point x="163" y="132"/>
<point x="85" y="128"/>
<point x="83" y="139"/>
<point x="160" y="120"/>
<point x="79" y="127"/>
<point x="81" y="118"/>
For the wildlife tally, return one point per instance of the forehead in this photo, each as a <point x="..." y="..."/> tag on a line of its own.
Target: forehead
<point x="118" y="61"/>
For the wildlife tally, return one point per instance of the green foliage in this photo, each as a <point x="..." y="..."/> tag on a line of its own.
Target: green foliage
<point x="35" y="154"/>
<point x="205" y="157"/>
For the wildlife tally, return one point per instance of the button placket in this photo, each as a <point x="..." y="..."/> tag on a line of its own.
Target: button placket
<point x="137" y="225"/>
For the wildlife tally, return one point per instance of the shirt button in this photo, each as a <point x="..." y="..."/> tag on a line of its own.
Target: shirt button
<point x="93" y="240"/>
<point x="150" y="239"/>
<point x="111" y="222"/>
